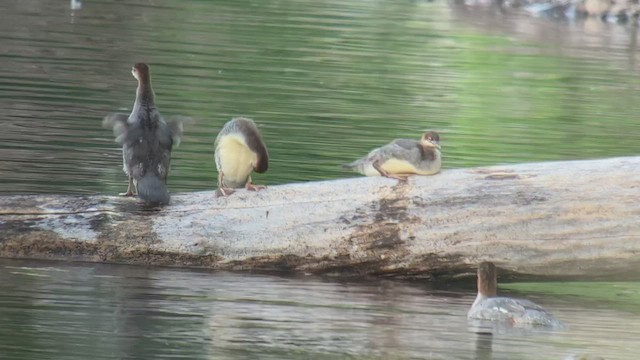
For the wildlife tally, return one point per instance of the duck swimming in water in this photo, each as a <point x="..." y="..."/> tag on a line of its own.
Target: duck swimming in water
<point x="489" y="306"/>
<point x="239" y="150"/>
<point x="402" y="158"/>
<point x="146" y="141"/>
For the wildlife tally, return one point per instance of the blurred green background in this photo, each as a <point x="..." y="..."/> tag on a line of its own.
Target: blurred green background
<point x="326" y="81"/>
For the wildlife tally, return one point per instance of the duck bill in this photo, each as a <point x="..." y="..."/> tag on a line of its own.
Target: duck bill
<point x="433" y="144"/>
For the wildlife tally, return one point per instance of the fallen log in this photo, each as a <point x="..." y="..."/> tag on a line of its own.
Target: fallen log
<point x="576" y="218"/>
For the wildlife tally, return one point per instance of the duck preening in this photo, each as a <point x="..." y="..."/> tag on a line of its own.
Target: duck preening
<point x="147" y="140"/>
<point x="402" y="158"/>
<point x="239" y="150"/>
<point x="489" y="306"/>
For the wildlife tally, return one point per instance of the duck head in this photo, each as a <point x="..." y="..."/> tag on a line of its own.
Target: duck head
<point x="140" y="71"/>
<point x="430" y="139"/>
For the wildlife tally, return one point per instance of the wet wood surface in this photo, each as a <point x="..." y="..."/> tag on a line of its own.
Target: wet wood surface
<point x="553" y="219"/>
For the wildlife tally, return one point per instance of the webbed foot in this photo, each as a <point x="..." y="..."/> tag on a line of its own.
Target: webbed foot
<point x="224" y="192"/>
<point x="130" y="191"/>
<point x="251" y="187"/>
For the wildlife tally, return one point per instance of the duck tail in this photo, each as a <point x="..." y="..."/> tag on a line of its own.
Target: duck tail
<point x="349" y="166"/>
<point x="153" y="190"/>
<point x="356" y="165"/>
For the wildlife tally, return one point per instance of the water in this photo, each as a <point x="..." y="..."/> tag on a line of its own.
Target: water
<point x="61" y="311"/>
<point x="326" y="80"/>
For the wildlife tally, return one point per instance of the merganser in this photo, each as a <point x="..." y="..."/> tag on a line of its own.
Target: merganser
<point x="402" y="158"/>
<point x="146" y="141"/>
<point x="489" y="306"/>
<point x="239" y="150"/>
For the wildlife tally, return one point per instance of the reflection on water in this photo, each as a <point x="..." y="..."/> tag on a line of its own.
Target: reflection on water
<point x="60" y="311"/>
<point x="326" y="80"/>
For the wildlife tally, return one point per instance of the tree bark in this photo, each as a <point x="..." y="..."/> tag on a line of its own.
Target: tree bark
<point x="553" y="219"/>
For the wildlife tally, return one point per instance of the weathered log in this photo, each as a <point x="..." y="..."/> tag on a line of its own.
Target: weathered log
<point x="578" y="218"/>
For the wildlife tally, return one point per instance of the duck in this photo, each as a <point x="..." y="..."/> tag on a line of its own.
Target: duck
<point x="401" y="158"/>
<point x="489" y="306"/>
<point x="239" y="151"/>
<point x="147" y="140"/>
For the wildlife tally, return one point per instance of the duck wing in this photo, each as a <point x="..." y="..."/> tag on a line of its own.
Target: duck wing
<point x="530" y="305"/>
<point x="509" y="306"/>
<point x="167" y="135"/>
<point x="146" y="145"/>
<point x="255" y="143"/>
<point x="118" y="123"/>
<point x="402" y="149"/>
<point x="176" y="126"/>
<point x="518" y="312"/>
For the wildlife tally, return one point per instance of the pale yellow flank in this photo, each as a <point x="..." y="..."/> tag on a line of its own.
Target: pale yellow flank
<point x="397" y="166"/>
<point x="236" y="158"/>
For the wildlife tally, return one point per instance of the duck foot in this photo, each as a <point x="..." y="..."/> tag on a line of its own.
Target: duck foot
<point x="224" y="192"/>
<point x="249" y="186"/>
<point x="130" y="188"/>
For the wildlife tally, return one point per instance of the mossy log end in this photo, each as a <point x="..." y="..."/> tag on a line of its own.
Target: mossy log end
<point x="568" y="219"/>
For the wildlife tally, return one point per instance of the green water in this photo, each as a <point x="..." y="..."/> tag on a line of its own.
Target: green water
<point x="326" y="81"/>
<point x="614" y="295"/>
<point x="74" y="311"/>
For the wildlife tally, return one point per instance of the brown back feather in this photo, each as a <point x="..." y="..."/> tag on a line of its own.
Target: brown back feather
<point x="255" y="143"/>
